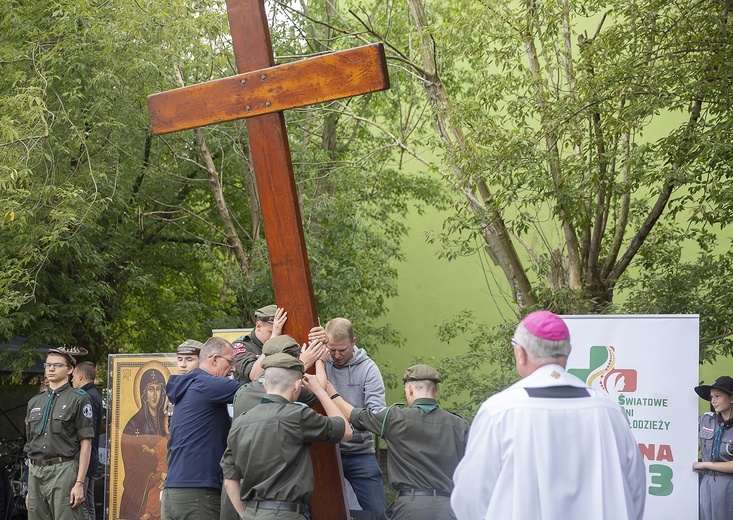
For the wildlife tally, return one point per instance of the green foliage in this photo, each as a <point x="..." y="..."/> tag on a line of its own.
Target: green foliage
<point x="589" y="131"/>
<point x="669" y="282"/>
<point x="485" y="368"/>
<point x="111" y="239"/>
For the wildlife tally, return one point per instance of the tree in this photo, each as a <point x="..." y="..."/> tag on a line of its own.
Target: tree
<point x="587" y="143"/>
<point x="118" y="241"/>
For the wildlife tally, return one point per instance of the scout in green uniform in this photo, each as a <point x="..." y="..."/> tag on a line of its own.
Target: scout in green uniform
<point x="269" y="321"/>
<point x="250" y="395"/>
<point x="425" y="445"/>
<point x="58" y="426"/>
<point x="187" y="355"/>
<point x="267" y="467"/>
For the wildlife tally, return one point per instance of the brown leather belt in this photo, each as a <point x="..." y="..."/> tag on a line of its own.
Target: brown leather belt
<point x="50" y="462"/>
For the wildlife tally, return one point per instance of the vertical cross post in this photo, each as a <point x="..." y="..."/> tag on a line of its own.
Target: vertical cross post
<point x="259" y="93"/>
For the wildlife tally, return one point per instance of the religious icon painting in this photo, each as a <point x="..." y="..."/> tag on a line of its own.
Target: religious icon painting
<point x="138" y="427"/>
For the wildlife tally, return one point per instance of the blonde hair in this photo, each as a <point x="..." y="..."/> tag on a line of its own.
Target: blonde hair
<point x="280" y="379"/>
<point x="340" y="329"/>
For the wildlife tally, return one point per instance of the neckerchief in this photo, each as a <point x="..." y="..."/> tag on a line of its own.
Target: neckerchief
<point x="47" y="411"/>
<point x="425" y="407"/>
<point x="722" y="426"/>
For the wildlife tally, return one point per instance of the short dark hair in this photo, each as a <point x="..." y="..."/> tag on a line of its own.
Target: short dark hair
<point x="88" y="369"/>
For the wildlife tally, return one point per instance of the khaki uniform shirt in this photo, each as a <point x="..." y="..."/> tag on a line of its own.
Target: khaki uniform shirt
<point x="425" y="443"/>
<point x="267" y="449"/>
<point x="243" y="363"/>
<point x="57" y="421"/>
<point x="251" y="395"/>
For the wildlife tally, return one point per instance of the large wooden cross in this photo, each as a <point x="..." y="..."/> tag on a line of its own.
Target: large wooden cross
<point x="260" y="92"/>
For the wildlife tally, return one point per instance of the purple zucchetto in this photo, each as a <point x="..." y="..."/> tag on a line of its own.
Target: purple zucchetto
<point x="546" y="325"/>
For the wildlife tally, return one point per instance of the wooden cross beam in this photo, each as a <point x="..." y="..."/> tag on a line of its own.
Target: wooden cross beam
<point x="259" y="93"/>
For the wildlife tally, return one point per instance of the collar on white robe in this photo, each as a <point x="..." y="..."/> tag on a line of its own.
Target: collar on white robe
<point x="549" y="375"/>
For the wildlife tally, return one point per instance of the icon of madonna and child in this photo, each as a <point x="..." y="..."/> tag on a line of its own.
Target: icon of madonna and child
<point x="144" y="445"/>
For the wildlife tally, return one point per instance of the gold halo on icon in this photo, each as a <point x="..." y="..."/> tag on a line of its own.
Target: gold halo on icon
<point x="138" y="376"/>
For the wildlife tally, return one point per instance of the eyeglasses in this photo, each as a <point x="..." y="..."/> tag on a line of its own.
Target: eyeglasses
<point x="514" y="343"/>
<point x="223" y="357"/>
<point x="55" y="366"/>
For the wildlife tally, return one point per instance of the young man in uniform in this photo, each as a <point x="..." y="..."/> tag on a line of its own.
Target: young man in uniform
<point x="84" y="375"/>
<point x="251" y="395"/>
<point x="58" y="426"/>
<point x="267" y="467"/>
<point x="549" y="446"/>
<point x="269" y="321"/>
<point x="357" y="378"/>
<point x="187" y="355"/>
<point x="420" y="471"/>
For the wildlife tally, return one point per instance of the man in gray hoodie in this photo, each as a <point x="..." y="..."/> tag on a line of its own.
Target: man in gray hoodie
<point x="358" y="381"/>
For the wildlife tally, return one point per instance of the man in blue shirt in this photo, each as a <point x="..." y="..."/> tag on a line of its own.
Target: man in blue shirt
<point x="198" y="434"/>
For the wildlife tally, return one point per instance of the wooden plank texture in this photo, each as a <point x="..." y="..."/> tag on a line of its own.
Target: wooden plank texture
<point x="288" y="257"/>
<point x="259" y="93"/>
<point x="306" y="82"/>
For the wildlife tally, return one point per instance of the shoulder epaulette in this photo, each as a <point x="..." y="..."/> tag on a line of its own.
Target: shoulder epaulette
<point x="301" y="404"/>
<point x="80" y="391"/>
<point x="711" y="414"/>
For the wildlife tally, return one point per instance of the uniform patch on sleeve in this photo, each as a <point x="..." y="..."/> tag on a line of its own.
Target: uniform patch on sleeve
<point x="87" y="411"/>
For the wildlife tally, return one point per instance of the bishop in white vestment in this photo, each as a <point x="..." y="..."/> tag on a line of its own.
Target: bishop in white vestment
<point x="549" y="447"/>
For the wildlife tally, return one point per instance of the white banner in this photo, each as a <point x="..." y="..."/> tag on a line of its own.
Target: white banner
<point x="649" y="364"/>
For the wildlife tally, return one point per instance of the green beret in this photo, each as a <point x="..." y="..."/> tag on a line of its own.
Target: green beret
<point x="285" y="361"/>
<point x="190" y="346"/>
<point x="281" y="344"/>
<point x="266" y="313"/>
<point x="421" y="373"/>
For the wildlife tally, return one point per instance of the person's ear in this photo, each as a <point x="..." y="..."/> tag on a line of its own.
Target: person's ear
<point x="520" y="356"/>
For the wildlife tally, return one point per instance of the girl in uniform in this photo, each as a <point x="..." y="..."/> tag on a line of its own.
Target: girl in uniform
<point x="716" y="447"/>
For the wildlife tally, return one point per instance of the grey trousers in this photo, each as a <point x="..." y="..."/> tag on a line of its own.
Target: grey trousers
<point x="88" y="505"/>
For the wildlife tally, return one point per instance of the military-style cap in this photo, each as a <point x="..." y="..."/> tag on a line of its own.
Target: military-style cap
<point x="190" y="346"/>
<point x="266" y="313"/>
<point x="281" y="344"/>
<point x="69" y="353"/>
<point x="421" y="373"/>
<point x="283" y="360"/>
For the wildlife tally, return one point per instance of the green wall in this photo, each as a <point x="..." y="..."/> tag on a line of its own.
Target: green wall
<point x="432" y="290"/>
